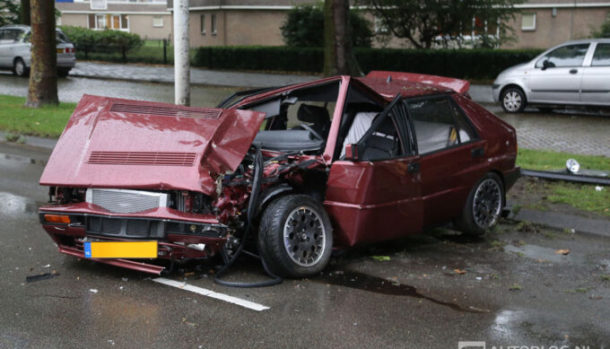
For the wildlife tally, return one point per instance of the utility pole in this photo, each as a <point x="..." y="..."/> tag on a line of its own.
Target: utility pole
<point x="182" y="84"/>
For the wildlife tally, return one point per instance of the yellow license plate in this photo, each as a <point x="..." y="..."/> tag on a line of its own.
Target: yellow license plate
<point x="121" y="249"/>
<point x="60" y="50"/>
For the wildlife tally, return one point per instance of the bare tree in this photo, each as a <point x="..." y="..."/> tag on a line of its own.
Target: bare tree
<point x="338" y="54"/>
<point x="43" y="75"/>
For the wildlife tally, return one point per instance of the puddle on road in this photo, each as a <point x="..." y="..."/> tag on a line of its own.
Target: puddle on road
<point x="361" y="281"/>
<point x="540" y="253"/>
<point x="11" y="204"/>
<point x="12" y="159"/>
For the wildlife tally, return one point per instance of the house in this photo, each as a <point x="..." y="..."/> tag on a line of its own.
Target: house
<point x="150" y="19"/>
<point x="545" y="23"/>
<point x="538" y="24"/>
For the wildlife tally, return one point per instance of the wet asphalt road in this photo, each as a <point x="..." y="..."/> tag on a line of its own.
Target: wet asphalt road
<point x="509" y="288"/>
<point x="571" y="132"/>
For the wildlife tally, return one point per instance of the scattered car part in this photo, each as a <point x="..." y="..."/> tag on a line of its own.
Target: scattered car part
<point x="568" y="177"/>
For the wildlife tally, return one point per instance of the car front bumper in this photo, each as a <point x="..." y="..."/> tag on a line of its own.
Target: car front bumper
<point x="180" y="237"/>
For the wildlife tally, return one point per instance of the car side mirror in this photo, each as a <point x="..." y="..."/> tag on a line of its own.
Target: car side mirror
<point x="546" y="64"/>
<point x="351" y="152"/>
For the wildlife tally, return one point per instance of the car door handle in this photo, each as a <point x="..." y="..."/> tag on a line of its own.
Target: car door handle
<point x="573" y="71"/>
<point x="413" y="167"/>
<point x="477" y="152"/>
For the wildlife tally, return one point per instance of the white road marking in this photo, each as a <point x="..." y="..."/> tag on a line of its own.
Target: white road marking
<point x="209" y="293"/>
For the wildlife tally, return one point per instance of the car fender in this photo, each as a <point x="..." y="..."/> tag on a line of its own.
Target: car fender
<point x="272" y="193"/>
<point x="509" y="82"/>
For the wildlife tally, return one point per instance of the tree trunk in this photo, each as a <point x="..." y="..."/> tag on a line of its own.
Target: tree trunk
<point x="43" y="75"/>
<point x="24" y="13"/>
<point x="338" y="55"/>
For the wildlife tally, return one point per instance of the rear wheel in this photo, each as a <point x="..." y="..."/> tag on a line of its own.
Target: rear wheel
<point x="483" y="206"/>
<point x="295" y="236"/>
<point x="19" y="67"/>
<point x="513" y="100"/>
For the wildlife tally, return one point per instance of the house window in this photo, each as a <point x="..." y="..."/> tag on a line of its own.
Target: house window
<point x="158" y="21"/>
<point x="202" y="17"/>
<point x="213" y="25"/>
<point x="528" y="21"/>
<point x="107" y="21"/>
<point x="380" y="27"/>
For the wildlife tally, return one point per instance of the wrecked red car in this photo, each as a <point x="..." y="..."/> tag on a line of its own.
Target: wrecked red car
<point x="331" y="163"/>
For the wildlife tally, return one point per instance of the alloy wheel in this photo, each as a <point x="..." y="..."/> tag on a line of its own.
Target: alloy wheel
<point x="304" y="236"/>
<point x="487" y="203"/>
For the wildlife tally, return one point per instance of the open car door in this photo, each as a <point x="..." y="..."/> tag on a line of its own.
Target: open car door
<point x="376" y="195"/>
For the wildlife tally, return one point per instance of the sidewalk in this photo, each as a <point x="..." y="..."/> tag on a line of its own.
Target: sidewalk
<point x="165" y="74"/>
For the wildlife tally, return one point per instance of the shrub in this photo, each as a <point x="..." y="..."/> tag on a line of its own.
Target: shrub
<point x="102" y="40"/>
<point x="304" y="27"/>
<point x="465" y="63"/>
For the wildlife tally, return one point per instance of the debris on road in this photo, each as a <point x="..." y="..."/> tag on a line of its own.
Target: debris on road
<point x="39" y="277"/>
<point x="381" y="258"/>
<point x="563" y="252"/>
<point x="93" y="290"/>
<point x="459" y="271"/>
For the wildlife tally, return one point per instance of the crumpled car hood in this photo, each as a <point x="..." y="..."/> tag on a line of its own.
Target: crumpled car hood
<point x="118" y="143"/>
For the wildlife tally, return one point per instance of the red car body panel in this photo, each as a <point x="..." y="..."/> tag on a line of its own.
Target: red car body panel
<point x="457" y="85"/>
<point x="116" y="143"/>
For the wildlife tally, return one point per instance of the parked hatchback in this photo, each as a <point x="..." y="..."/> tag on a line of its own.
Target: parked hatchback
<point x="573" y="73"/>
<point x="16" y="54"/>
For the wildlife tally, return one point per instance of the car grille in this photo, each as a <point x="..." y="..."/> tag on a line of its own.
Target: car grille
<point x="126" y="201"/>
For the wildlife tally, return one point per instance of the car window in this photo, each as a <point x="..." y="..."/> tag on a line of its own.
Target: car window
<point x="382" y="139"/>
<point x="9" y="35"/>
<point x="438" y="124"/>
<point x="565" y="56"/>
<point x="61" y="37"/>
<point x="602" y="55"/>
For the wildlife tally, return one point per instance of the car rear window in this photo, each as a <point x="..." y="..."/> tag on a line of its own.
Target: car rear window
<point x="602" y="55"/>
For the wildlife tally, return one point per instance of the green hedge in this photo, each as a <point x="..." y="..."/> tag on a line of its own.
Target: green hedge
<point x="104" y="41"/>
<point x="466" y="63"/>
<point x="279" y="58"/>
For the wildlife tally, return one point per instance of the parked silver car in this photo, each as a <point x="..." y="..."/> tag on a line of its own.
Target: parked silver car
<point x="573" y="73"/>
<point x="15" y="50"/>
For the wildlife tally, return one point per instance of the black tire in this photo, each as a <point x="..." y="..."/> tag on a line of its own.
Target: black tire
<point x="287" y="253"/>
<point x="513" y="100"/>
<point x="19" y="68"/>
<point x="63" y="72"/>
<point x="483" y="206"/>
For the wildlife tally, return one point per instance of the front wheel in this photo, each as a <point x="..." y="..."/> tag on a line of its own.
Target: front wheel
<point x="483" y="206"/>
<point x="513" y="100"/>
<point x="295" y="236"/>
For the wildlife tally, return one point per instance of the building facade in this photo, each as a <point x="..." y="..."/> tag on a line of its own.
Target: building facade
<point x="545" y="23"/>
<point x="538" y="24"/>
<point x="150" y="19"/>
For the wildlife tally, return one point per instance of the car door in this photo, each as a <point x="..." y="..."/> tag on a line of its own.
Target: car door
<point x="557" y="76"/>
<point x="377" y="196"/>
<point x="596" y="77"/>
<point x="451" y="156"/>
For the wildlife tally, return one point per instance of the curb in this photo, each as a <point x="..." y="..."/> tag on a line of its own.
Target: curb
<point x="582" y="225"/>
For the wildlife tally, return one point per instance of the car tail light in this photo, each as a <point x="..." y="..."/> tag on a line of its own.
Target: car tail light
<point x="57" y="219"/>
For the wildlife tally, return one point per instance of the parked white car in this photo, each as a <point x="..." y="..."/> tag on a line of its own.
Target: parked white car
<point x="16" y="54"/>
<point x="573" y="73"/>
